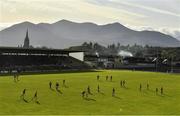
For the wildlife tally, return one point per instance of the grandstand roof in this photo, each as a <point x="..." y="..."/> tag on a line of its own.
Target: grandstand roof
<point x="35" y="50"/>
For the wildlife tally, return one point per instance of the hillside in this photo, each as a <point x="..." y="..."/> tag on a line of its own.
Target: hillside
<point x="63" y="34"/>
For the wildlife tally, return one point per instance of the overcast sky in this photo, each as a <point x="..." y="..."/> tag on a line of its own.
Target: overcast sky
<point x="162" y="15"/>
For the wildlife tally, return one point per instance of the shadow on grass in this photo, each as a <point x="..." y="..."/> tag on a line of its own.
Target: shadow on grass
<point x="65" y="86"/>
<point x="144" y="91"/>
<point x="150" y="90"/>
<point x="163" y="95"/>
<point x="89" y="99"/>
<point x="53" y="72"/>
<point x="116" y="97"/>
<point x="25" y="100"/>
<point x="52" y="89"/>
<point x="167" y="95"/>
<point x="37" y="102"/>
<point x="90" y="93"/>
<point x="124" y="87"/>
<point x="59" y="91"/>
<point x="101" y="93"/>
<point x="157" y="94"/>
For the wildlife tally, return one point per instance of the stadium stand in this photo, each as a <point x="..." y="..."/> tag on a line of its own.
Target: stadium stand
<point x="31" y="59"/>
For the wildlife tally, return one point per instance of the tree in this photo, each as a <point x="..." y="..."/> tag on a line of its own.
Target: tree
<point x="85" y="44"/>
<point x="164" y="54"/>
<point x="138" y="54"/>
<point x="118" y="45"/>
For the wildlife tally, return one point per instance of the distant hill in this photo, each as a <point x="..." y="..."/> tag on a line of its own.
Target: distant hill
<point x="64" y="34"/>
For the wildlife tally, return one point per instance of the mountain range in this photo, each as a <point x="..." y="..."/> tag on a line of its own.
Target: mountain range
<point x="64" y="33"/>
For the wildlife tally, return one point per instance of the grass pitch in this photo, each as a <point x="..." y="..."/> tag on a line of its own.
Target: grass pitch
<point x="126" y="101"/>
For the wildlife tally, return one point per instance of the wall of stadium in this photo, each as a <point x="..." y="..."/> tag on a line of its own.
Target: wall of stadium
<point x="77" y="55"/>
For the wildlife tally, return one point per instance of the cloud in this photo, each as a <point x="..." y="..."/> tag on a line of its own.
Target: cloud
<point x="175" y="32"/>
<point x="152" y="9"/>
<point x="5" y="25"/>
<point x="131" y="3"/>
<point x="143" y="14"/>
<point x="113" y="5"/>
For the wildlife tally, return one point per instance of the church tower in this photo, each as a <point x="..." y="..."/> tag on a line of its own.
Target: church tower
<point x="26" y="41"/>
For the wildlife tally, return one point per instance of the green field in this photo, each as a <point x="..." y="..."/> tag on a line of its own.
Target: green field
<point x="127" y="100"/>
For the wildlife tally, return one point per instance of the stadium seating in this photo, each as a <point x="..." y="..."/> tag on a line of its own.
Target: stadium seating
<point x="39" y="63"/>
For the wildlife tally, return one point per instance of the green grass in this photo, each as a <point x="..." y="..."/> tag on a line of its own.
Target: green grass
<point x="127" y="101"/>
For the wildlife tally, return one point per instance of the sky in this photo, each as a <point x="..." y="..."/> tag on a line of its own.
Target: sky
<point x="159" y="15"/>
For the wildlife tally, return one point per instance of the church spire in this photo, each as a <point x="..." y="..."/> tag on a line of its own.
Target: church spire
<point x="27" y="34"/>
<point x="26" y="40"/>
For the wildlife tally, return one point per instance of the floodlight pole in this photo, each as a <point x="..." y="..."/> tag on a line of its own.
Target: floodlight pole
<point x="157" y="60"/>
<point x="171" y="64"/>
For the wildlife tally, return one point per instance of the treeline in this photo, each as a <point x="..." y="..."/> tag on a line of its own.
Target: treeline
<point x="111" y="49"/>
<point x="136" y="50"/>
